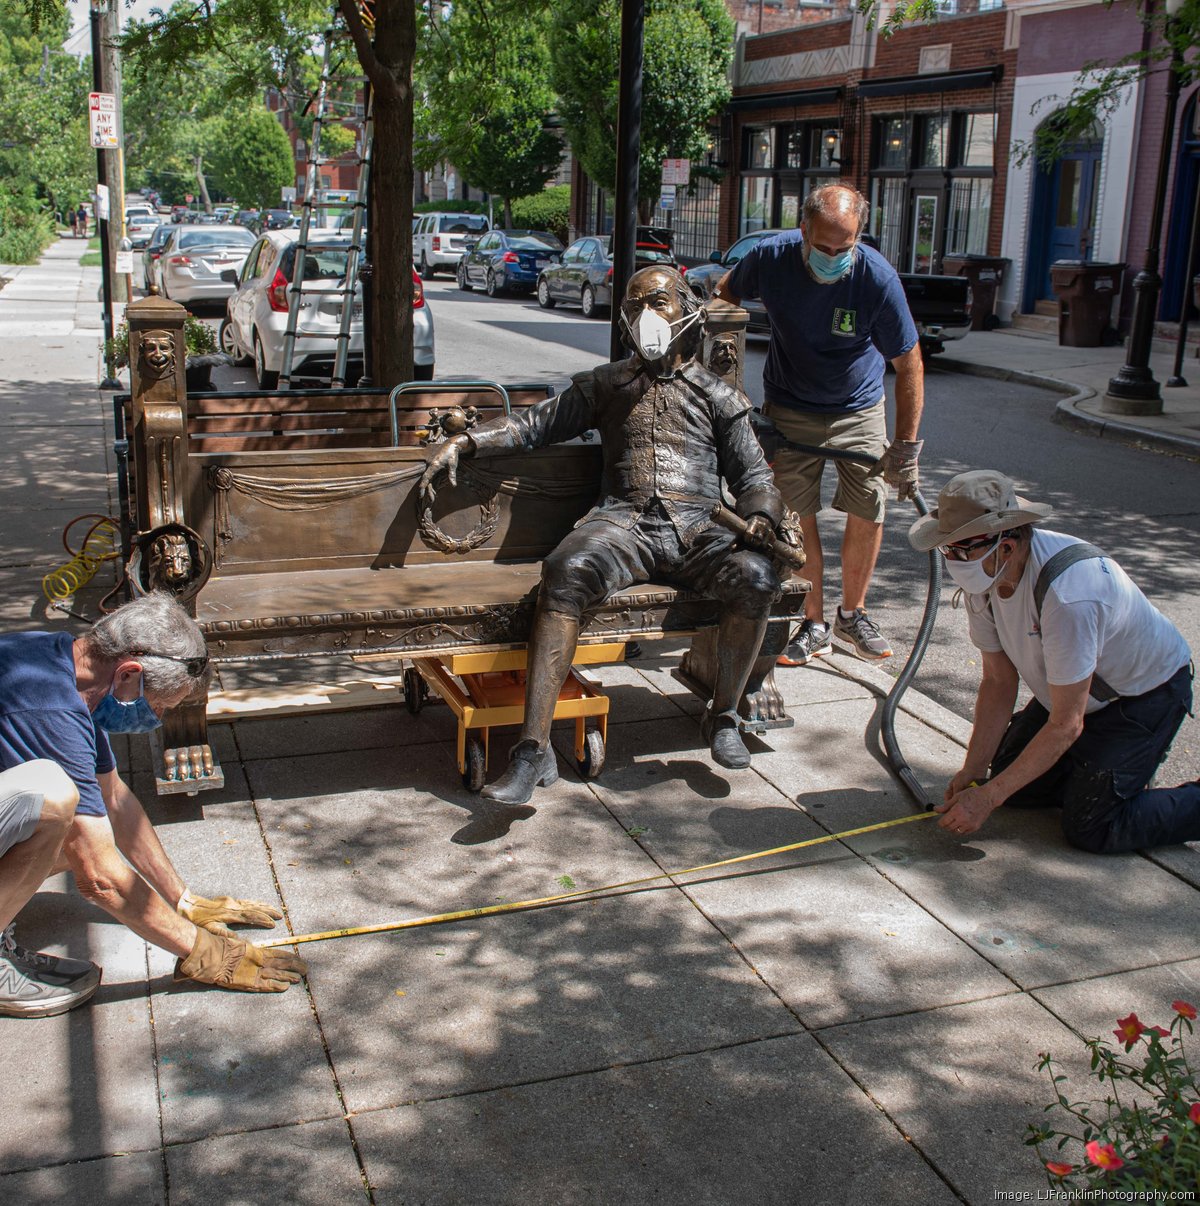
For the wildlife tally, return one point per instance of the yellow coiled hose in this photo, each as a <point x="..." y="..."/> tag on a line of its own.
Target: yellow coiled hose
<point x="99" y="545"/>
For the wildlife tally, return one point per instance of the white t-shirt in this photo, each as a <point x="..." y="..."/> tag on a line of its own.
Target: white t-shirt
<point x="1094" y="619"/>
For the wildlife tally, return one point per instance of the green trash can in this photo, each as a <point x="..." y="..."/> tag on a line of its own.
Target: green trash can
<point x="1085" y="290"/>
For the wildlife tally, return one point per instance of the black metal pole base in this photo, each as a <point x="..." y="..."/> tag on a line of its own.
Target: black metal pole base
<point x="110" y="383"/>
<point x="1177" y="382"/>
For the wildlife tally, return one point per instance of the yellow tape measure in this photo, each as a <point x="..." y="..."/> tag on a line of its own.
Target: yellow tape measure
<point x="517" y="906"/>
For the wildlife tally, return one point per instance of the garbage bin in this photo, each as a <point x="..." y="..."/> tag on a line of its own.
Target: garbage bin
<point x="1085" y="291"/>
<point x="986" y="274"/>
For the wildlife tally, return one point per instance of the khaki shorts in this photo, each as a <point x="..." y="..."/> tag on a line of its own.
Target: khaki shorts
<point x="798" y="475"/>
<point x="21" y="798"/>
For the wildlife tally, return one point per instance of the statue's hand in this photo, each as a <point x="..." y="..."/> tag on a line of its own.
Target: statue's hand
<point x="759" y="534"/>
<point x="445" y="458"/>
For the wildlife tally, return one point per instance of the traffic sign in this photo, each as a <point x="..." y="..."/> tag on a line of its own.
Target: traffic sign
<point x="676" y="171"/>
<point x="102" y="119"/>
<point x="189" y="198"/>
<point x="666" y="199"/>
<point x="287" y="194"/>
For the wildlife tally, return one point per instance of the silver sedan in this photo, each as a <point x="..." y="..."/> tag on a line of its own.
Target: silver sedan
<point x="194" y="257"/>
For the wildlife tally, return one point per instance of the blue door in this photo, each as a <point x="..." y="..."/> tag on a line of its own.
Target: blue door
<point x="1176" y="271"/>
<point x="1064" y="215"/>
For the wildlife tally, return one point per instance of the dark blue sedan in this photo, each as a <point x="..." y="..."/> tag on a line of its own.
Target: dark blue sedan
<point x="508" y="260"/>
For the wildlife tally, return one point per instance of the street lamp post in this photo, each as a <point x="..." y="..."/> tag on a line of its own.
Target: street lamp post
<point x="1134" y="390"/>
<point x="110" y="371"/>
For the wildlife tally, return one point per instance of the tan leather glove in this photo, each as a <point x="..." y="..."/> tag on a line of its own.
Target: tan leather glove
<point x="228" y="962"/>
<point x="899" y="466"/>
<point x="218" y="914"/>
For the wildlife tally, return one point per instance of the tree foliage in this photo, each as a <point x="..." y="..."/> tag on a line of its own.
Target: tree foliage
<point x="485" y="83"/>
<point x="251" y="158"/>
<point x="688" y="48"/>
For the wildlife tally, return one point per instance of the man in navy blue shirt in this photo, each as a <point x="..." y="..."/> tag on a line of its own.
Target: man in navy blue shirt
<point x="64" y="807"/>
<point x="838" y="313"/>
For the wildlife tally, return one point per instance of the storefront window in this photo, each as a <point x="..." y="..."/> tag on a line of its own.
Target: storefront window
<point x="758" y="193"/>
<point x="889" y="196"/>
<point x="793" y="156"/>
<point x="931" y="150"/>
<point x="760" y="147"/>
<point x="893" y="142"/>
<point x="978" y="140"/>
<point x="970" y="215"/>
<point x="826" y="148"/>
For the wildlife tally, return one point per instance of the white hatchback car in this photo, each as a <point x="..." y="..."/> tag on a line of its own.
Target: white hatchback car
<point x="195" y="258"/>
<point x="258" y="311"/>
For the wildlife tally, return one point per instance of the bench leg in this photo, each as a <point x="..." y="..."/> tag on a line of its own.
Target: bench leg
<point x="184" y="761"/>
<point x="761" y="705"/>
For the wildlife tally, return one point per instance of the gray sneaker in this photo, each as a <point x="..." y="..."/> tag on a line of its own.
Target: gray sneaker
<point x="36" y="985"/>
<point x="860" y="631"/>
<point x="811" y="640"/>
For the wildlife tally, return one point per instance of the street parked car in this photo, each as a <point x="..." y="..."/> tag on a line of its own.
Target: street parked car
<point x="195" y="256"/>
<point x="508" y="259"/>
<point x="139" y="228"/>
<point x="583" y="275"/>
<point x="249" y="218"/>
<point x="440" y="239"/>
<point x="257" y="311"/>
<point x="280" y="219"/>
<point x="151" y="254"/>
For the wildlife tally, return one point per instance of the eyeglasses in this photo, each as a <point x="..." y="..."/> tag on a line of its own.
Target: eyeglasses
<point x="195" y="665"/>
<point x="963" y="551"/>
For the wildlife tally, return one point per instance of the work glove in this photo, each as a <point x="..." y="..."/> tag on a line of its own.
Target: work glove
<point x="217" y="915"/>
<point x="899" y="466"/>
<point x="759" y="534"/>
<point x="228" y="962"/>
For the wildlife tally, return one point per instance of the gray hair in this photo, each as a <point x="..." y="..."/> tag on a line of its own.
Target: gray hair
<point x="153" y="624"/>
<point x="829" y="200"/>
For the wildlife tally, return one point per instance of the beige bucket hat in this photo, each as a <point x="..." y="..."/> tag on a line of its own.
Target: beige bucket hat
<point x="977" y="503"/>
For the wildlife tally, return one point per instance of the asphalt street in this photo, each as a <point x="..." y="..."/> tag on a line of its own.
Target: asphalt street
<point x="1144" y="507"/>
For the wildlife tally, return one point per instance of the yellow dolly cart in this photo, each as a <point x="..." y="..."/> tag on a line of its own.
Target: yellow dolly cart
<point x="487" y="689"/>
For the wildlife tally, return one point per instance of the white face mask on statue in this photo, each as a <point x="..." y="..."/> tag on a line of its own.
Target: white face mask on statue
<point x="971" y="576"/>
<point x="652" y="335"/>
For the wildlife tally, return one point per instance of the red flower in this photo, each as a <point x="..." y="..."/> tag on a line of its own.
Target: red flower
<point x="1059" y="1170"/>
<point x="1129" y="1030"/>
<point x="1194" y="1113"/>
<point x="1104" y="1155"/>
<point x="1184" y="1010"/>
<point x="1159" y="1031"/>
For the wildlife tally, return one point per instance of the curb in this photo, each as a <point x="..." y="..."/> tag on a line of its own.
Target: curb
<point x="1067" y="413"/>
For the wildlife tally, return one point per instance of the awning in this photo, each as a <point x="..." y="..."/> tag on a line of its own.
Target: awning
<point x="946" y="81"/>
<point x="786" y="100"/>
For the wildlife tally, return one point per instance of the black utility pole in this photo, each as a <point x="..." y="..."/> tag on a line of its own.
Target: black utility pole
<point x="629" y="147"/>
<point x="110" y="372"/>
<point x="1134" y="390"/>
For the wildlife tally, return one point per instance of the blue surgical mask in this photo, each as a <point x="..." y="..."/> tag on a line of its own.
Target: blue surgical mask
<point x="116" y="717"/>
<point x="829" y="269"/>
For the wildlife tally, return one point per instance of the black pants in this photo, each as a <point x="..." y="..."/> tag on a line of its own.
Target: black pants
<point x="1100" y="782"/>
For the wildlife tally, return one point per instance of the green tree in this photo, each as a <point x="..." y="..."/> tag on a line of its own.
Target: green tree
<point x="688" y="48"/>
<point x="486" y="68"/>
<point x="251" y="156"/>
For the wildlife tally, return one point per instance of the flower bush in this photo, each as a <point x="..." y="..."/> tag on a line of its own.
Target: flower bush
<point x="1145" y="1133"/>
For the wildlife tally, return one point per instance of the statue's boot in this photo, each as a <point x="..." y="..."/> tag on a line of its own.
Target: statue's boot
<point x="738" y="642"/>
<point x="532" y="763"/>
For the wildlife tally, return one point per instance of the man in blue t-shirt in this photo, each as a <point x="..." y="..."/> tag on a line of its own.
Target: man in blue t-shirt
<point x="838" y="313"/>
<point x="64" y="807"/>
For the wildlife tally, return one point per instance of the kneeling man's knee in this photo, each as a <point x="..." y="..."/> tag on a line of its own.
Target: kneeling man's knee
<point x="60" y="796"/>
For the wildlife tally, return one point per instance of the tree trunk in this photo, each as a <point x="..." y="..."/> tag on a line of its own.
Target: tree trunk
<point x="392" y="191"/>
<point x="201" y="183"/>
<point x="508" y="218"/>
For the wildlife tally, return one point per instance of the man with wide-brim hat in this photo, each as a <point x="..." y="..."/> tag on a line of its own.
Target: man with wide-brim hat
<point x="1111" y="676"/>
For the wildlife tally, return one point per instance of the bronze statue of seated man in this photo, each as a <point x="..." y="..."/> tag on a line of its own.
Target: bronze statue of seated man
<point x="671" y="432"/>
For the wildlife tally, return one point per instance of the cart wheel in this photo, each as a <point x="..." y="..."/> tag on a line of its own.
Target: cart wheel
<point x="474" y="775"/>
<point x="415" y="690"/>
<point x="592" y="762"/>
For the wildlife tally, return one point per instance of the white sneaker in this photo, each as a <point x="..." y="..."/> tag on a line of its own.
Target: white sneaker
<point x="37" y="985"/>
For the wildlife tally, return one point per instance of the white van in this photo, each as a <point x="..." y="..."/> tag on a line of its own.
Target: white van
<point x="440" y="239"/>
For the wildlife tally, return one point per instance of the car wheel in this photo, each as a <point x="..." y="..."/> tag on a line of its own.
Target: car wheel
<point x="426" y="268"/>
<point x="587" y="299"/>
<point x="492" y="287"/>
<point x="226" y="341"/>
<point x="461" y="274"/>
<point x="543" y="295"/>
<point x="266" y="378"/>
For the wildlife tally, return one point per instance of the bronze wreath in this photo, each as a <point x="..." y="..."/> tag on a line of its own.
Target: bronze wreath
<point x="435" y="538"/>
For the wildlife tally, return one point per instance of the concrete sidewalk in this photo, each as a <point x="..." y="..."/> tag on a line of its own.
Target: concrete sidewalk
<point x="853" y="1023"/>
<point x="1082" y="376"/>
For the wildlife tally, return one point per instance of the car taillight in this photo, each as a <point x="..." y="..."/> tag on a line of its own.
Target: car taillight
<point x="608" y="277"/>
<point x="156" y="255"/>
<point x="277" y="293"/>
<point x="511" y="257"/>
<point x="683" y="270"/>
<point x="418" y="292"/>
<point x="437" y="242"/>
<point x="181" y="259"/>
